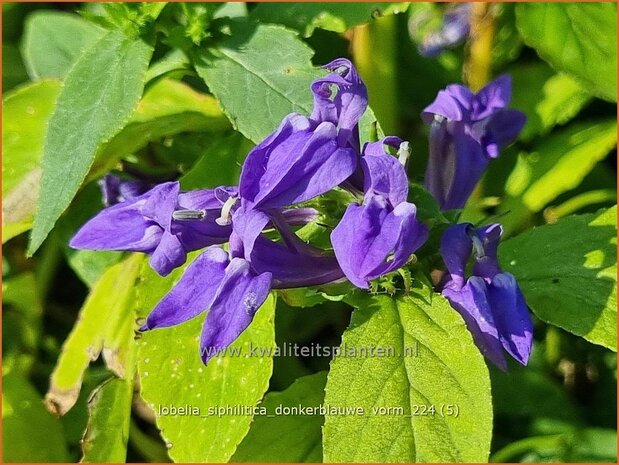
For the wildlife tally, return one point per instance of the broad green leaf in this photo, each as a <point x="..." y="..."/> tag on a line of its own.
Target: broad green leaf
<point x="168" y="107"/>
<point x="25" y="113"/>
<point x="555" y="102"/>
<point x="560" y="162"/>
<point x="336" y="16"/>
<point x="172" y="376"/>
<point x="109" y="407"/>
<point x="567" y="272"/>
<point x="427" y="399"/>
<point x="283" y="437"/>
<point x="99" y="95"/>
<point x="29" y="432"/>
<point x="577" y="38"/>
<point x="105" y="325"/>
<point x="256" y="83"/>
<point x="53" y="40"/>
<point x="220" y="165"/>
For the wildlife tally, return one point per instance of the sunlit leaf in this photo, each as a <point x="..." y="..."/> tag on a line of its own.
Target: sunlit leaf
<point x="568" y="273"/>
<point x="25" y="113"/>
<point x="408" y="398"/>
<point x="105" y="325"/>
<point x="172" y="376"/>
<point x="577" y="38"/>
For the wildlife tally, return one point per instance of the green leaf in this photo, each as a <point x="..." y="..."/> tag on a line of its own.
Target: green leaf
<point x="173" y="376"/>
<point x="53" y="40"/>
<point x="168" y="107"/>
<point x="577" y="38"/>
<point x="98" y="96"/>
<point x="429" y="362"/>
<point x="287" y="438"/>
<point x="567" y="272"/>
<point x="105" y="325"/>
<point x="25" y="113"/>
<point x="337" y="17"/>
<point x="220" y="165"/>
<point x="109" y="407"/>
<point x="560" y="162"/>
<point x="256" y="83"/>
<point x="29" y="432"/>
<point x="555" y="102"/>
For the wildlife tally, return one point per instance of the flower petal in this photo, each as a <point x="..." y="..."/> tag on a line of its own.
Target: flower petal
<point x="472" y="302"/>
<point x="487" y="266"/>
<point x="247" y="226"/>
<point x="383" y="173"/>
<point x="448" y="106"/>
<point x="502" y="129"/>
<point x="495" y="96"/>
<point x="119" y="227"/>
<point x="168" y="255"/>
<point x="204" y="199"/>
<point x="291" y="269"/>
<point x="456" y="248"/>
<point x="161" y="202"/>
<point x="305" y="165"/>
<point x="292" y="131"/>
<point x="511" y="316"/>
<point x="464" y="162"/>
<point x="240" y="295"/>
<point x="345" y="108"/>
<point x="193" y="294"/>
<point x="370" y="241"/>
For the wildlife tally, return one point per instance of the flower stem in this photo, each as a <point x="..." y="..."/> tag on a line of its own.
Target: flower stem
<point x="478" y="66"/>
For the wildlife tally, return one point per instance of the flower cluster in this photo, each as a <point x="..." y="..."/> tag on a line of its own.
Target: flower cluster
<point x="304" y="158"/>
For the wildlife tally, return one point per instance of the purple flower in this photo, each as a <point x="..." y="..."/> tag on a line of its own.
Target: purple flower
<point x="163" y="223"/>
<point x="466" y="131"/>
<point x="453" y="31"/>
<point x="115" y="189"/>
<point x="489" y="300"/>
<point x="378" y="236"/>
<point x="239" y="283"/>
<point x="306" y="157"/>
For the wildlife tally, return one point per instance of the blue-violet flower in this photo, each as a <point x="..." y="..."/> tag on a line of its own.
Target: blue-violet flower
<point x="489" y="300"/>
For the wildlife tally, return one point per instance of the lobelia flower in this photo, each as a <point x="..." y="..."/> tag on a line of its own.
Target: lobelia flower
<point x="489" y="300"/>
<point x="466" y="131"/>
<point x="239" y="282"/>
<point x="306" y="157"/>
<point x="163" y="222"/>
<point x="302" y="159"/>
<point x="453" y="30"/>
<point x="378" y="236"/>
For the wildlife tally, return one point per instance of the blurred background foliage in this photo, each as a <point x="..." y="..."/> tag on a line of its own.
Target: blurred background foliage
<point x="562" y="407"/>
